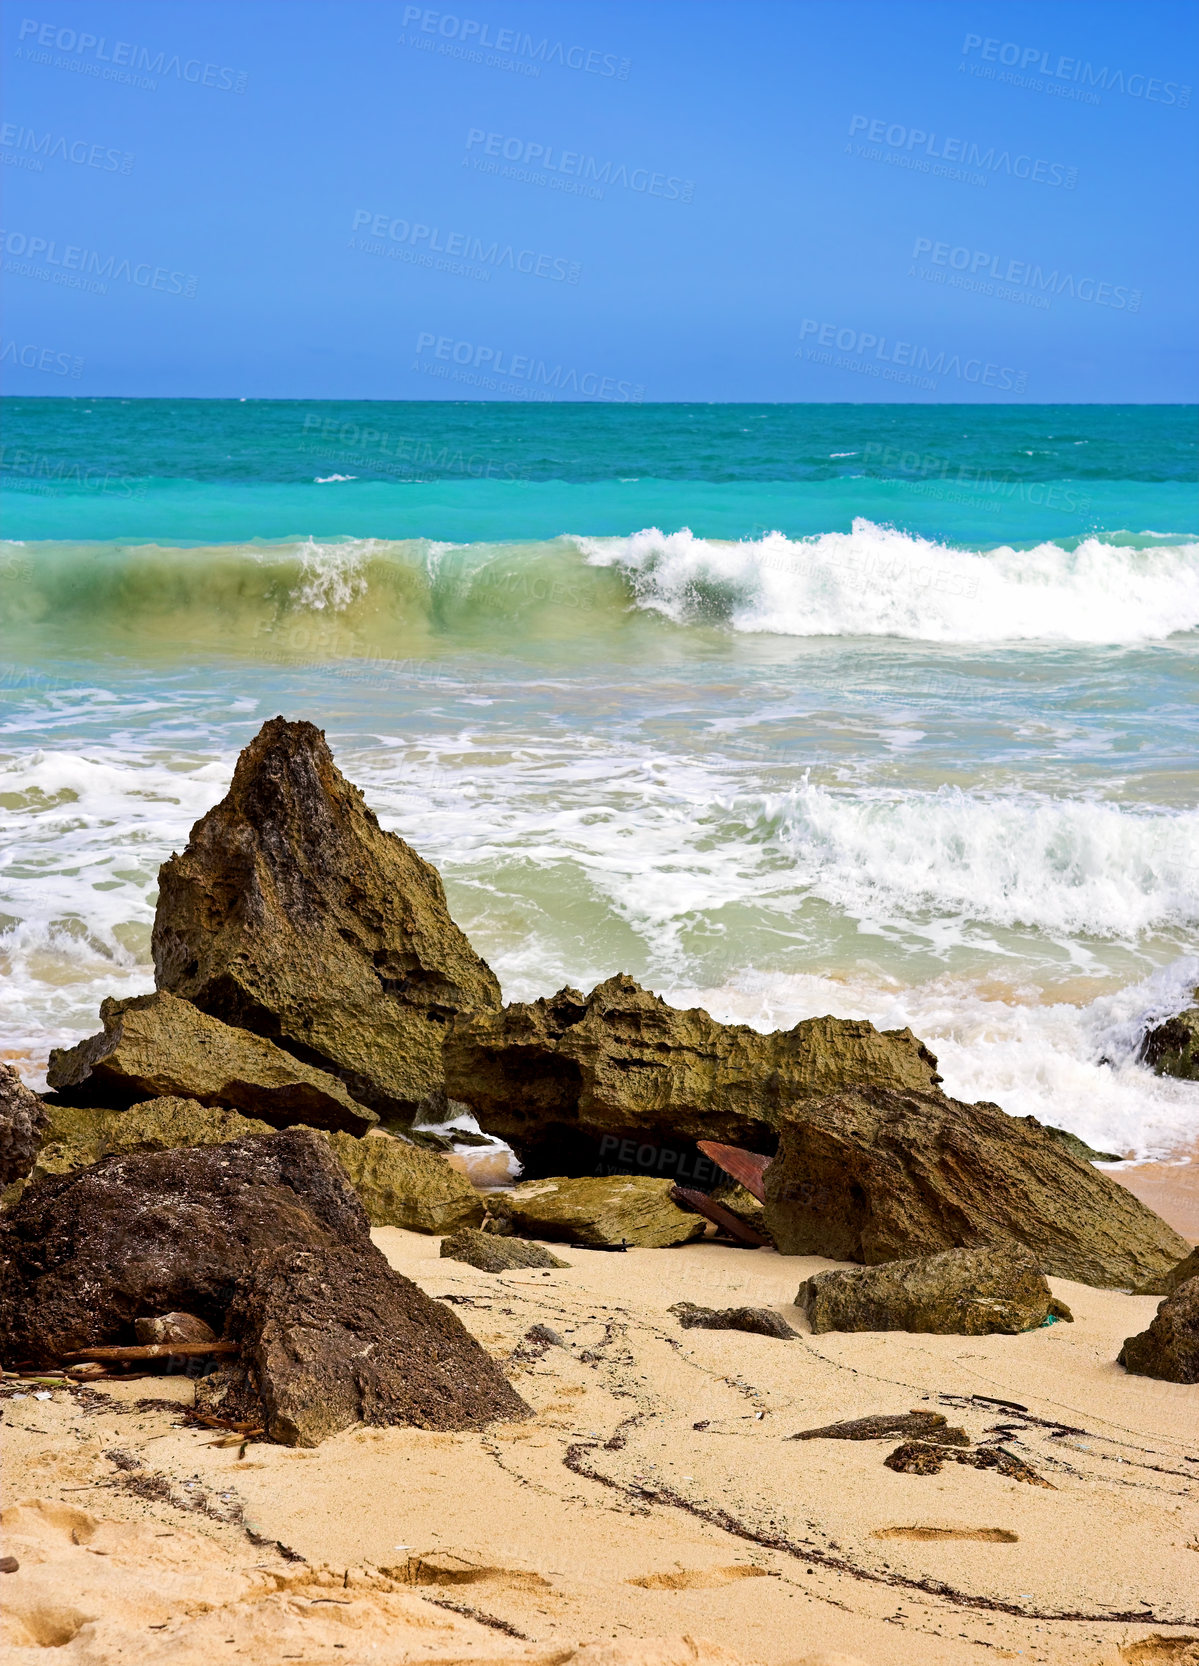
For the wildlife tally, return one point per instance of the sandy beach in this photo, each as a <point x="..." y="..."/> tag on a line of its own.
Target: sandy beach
<point x="653" y="1495"/>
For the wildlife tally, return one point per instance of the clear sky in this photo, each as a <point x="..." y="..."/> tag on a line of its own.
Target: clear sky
<point x="749" y="201"/>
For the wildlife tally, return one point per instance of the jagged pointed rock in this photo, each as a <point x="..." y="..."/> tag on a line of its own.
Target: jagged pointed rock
<point x="293" y="914"/>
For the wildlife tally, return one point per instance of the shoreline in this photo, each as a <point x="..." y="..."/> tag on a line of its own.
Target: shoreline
<point x="654" y="1492"/>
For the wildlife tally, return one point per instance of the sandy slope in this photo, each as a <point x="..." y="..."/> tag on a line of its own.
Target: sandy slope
<point x="611" y="1516"/>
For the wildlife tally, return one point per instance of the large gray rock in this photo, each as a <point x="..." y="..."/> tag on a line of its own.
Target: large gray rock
<point x="156" y="1046"/>
<point x="877" y="1176"/>
<point x="961" y="1292"/>
<point x="291" y="913"/>
<point x="22" y="1119"/>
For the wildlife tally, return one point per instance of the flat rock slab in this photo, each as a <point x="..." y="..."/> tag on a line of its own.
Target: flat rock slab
<point x="605" y="1210"/>
<point x="874" y="1175"/>
<point x="293" y="914"/>
<point x="264" y="1240"/>
<point x="405" y="1185"/>
<point x="156" y="1046"/>
<point x="757" y="1321"/>
<point x="491" y="1253"/>
<point x="917" y="1425"/>
<point x="965" y="1292"/>
<point x="1169" y="1349"/>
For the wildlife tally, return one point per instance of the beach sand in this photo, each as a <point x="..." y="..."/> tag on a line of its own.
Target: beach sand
<point x="1170" y="1189"/>
<point x="653" y="1495"/>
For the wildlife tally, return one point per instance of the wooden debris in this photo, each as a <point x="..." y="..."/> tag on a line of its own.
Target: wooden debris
<point x="746" y="1167"/>
<point x="718" y="1215"/>
<point x="154" y="1350"/>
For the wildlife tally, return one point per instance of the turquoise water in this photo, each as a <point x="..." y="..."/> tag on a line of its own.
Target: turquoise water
<point x="885" y="711"/>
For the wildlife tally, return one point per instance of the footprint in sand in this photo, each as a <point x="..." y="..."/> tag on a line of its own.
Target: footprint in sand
<point x="988" y="1535"/>
<point x="697" y="1579"/>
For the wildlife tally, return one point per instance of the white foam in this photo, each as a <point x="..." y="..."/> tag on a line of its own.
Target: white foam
<point x="1070" y="1065"/>
<point x="877" y="581"/>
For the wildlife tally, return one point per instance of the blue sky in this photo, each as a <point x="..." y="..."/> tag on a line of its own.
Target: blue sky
<point x="779" y="201"/>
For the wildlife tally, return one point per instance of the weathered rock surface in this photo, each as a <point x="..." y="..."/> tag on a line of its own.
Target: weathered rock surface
<point x="263" y="1239"/>
<point x="1169" y="1349"/>
<point x="1169" y="1282"/>
<point x="494" y="1254"/>
<point x="405" y="1185"/>
<point x="916" y="1457"/>
<point x="611" y="1209"/>
<point x="961" y="1292"/>
<point x="1079" y="1148"/>
<point x="758" y="1321"/>
<point x="22" y="1118"/>
<point x="551" y="1076"/>
<point x="917" y="1425"/>
<point x="173" y="1327"/>
<point x="156" y="1046"/>
<point x="291" y="913"/>
<point x="1172" y="1048"/>
<point x="875" y="1176"/>
<point x="74" y="1136"/>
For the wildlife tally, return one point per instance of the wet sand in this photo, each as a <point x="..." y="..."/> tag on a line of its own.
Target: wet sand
<point x="655" y="1494"/>
<point x="1171" y="1189"/>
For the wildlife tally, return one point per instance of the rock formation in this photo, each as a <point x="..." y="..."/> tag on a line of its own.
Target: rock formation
<point x="264" y="1240"/>
<point x="1169" y="1349"/>
<point x="292" y="914"/>
<point x="758" y="1321"/>
<point x="1172" y="1048"/>
<point x="157" y="1046"/>
<point x="961" y="1292"/>
<point x="554" y="1076"/>
<point x="22" y="1119"/>
<point x="404" y="1185"/>
<point x="1169" y="1282"/>
<point x="874" y="1175"/>
<point x="491" y="1253"/>
<point x="612" y="1209"/>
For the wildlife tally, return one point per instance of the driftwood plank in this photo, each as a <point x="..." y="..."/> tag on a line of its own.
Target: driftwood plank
<point x="746" y="1167"/>
<point x="717" y="1214"/>
<point x="154" y="1350"/>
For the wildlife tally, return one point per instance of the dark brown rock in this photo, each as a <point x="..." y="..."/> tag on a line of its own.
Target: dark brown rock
<point x="915" y="1457"/>
<point x="1172" y="1048"/>
<point x="1169" y="1282"/>
<point x="551" y="1076"/>
<point x="291" y="913"/>
<point x="264" y="1240"/>
<point x="960" y="1292"/>
<point x="22" y="1119"/>
<point x="757" y="1321"/>
<point x="874" y="1175"/>
<point x="1169" y="1349"/>
<point x="918" y="1425"/>
<point x="157" y="1046"/>
<point x="492" y="1253"/>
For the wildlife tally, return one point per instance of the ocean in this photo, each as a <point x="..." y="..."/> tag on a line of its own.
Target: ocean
<point x="883" y="711"/>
